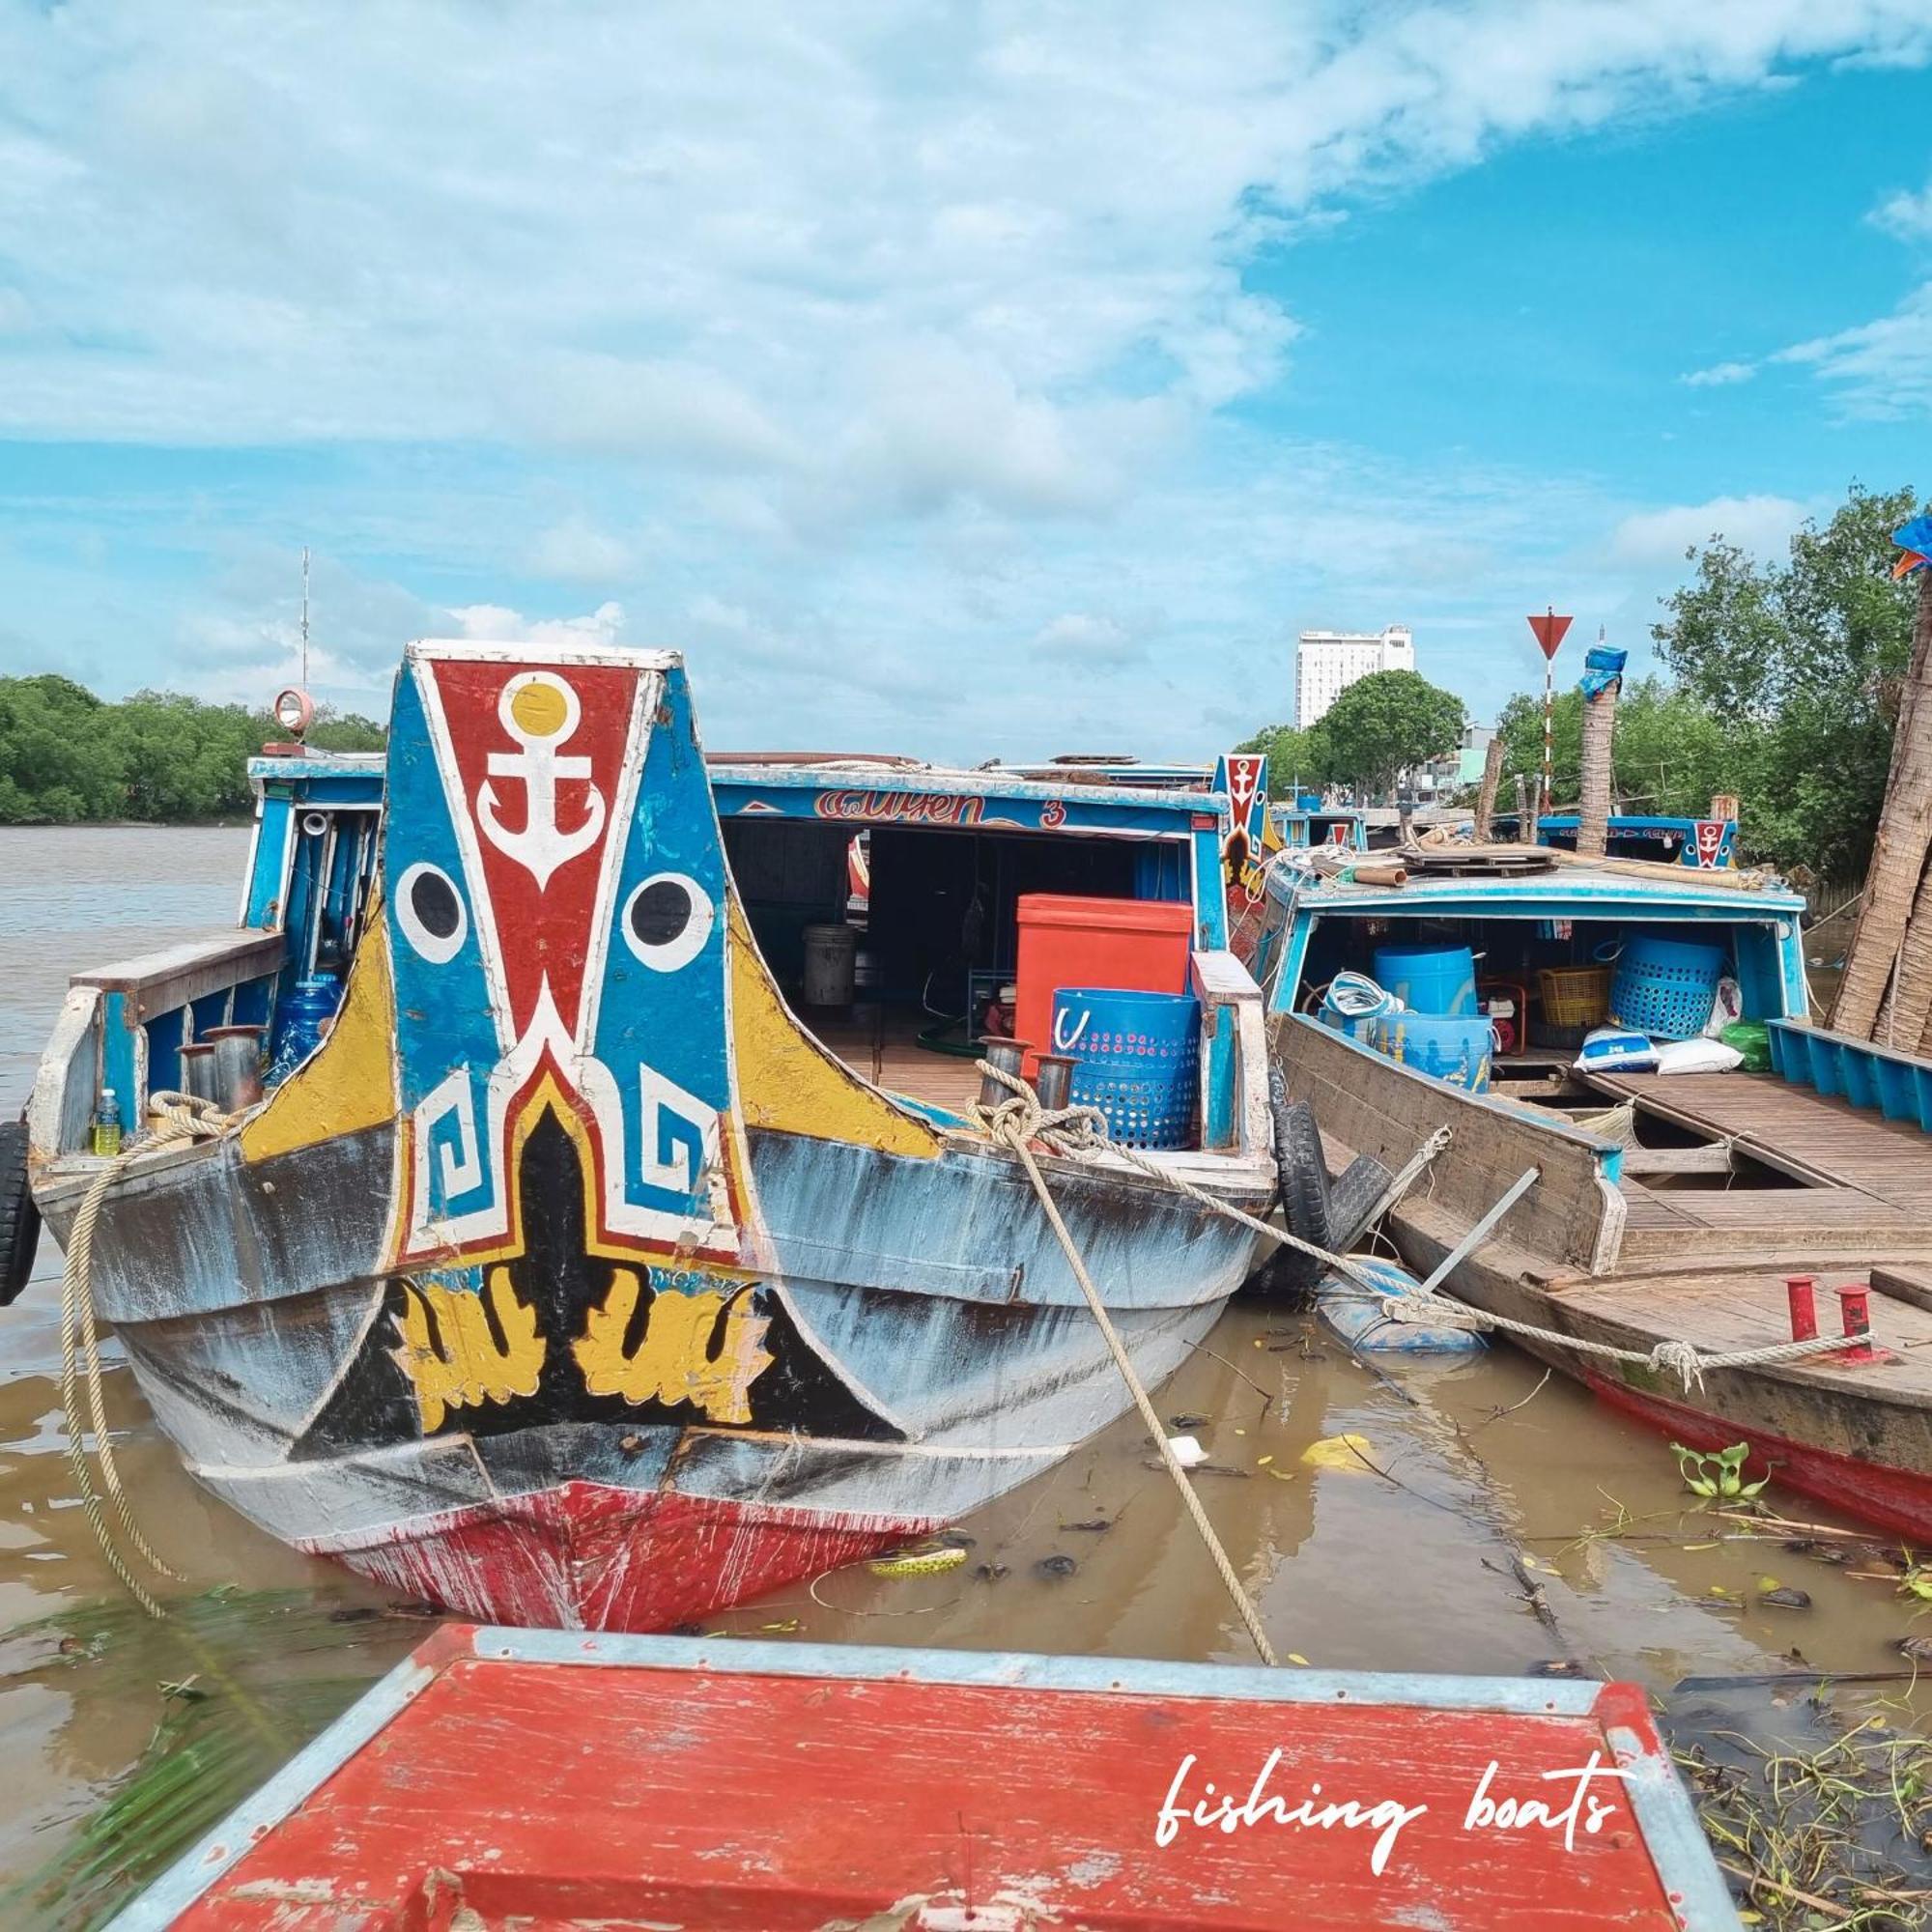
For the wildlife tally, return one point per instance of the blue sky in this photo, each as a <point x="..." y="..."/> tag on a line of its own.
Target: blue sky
<point x="959" y="380"/>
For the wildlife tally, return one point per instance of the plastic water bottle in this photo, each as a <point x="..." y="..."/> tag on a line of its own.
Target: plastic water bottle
<point x="107" y="1125"/>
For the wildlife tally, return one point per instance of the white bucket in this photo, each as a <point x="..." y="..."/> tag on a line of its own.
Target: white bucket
<point x="829" y="956"/>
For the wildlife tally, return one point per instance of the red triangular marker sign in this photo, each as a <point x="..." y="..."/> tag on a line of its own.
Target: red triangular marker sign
<point x="1549" y="628"/>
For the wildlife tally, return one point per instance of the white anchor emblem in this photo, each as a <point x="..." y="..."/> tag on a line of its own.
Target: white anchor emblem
<point x="540" y="712"/>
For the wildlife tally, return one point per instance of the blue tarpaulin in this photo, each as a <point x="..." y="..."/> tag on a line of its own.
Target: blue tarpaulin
<point x="1601" y="668"/>
<point x="1916" y="539"/>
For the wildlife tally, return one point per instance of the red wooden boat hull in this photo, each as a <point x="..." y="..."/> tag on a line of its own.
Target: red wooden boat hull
<point x="1896" y="1499"/>
<point x="590" y="1556"/>
<point x="545" y="1779"/>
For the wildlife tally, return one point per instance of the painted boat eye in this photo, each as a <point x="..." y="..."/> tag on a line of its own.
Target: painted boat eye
<point x="430" y="911"/>
<point x="666" y="921"/>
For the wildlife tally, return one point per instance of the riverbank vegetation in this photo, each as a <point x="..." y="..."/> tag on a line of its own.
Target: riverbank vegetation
<point x="67" y="757"/>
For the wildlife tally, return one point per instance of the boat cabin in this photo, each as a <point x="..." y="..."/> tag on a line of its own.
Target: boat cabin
<point x="1706" y="845"/>
<point x="957" y="864"/>
<point x="886" y="895"/>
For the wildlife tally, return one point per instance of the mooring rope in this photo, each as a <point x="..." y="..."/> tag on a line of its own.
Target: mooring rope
<point x="1065" y="1127"/>
<point x="182" y="1117"/>
<point x="1084" y="1137"/>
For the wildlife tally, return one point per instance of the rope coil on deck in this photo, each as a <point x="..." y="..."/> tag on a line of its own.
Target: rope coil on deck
<point x="182" y="1117"/>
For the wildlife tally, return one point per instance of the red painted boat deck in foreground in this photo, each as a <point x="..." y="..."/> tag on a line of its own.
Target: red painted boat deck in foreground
<point x="543" y="1779"/>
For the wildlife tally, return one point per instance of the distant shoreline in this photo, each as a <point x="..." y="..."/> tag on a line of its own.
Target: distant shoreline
<point x="130" y="825"/>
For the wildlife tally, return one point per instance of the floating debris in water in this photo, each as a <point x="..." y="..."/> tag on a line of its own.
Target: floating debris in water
<point x="918" y="1563"/>
<point x="1339" y="1452"/>
<point x="1779" y="1598"/>
<point x="1055" y="1566"/>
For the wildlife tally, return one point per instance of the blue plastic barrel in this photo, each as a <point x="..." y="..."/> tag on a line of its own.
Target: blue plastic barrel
<point x="1454" y="1048"/>
<point x="306" y="1011"/>
<point x="1429" y="978"/>
<point x="1666" y="987"/>
<point x="1136" y="1057"/>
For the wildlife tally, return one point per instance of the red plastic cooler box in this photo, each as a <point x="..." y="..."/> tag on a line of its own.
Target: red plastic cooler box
<point x="1138" y="945"/>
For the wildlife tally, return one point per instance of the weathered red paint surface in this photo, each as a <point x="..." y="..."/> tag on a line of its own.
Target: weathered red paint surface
<point x="1899" y="1500"/>
<point x="554" y="1794"/>
<point x="588" y="1556"/>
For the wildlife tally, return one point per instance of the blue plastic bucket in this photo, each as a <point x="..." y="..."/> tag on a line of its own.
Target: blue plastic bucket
<point x="1136" y="1057"/>
<point x="1454" y="1048"/>
<point x="1429" y="978"/>
<point x="1666" y="987"/>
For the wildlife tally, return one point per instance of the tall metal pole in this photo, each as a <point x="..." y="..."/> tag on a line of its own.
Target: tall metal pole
<point x="304" y="646"/>
<point x="1549" y="704"/>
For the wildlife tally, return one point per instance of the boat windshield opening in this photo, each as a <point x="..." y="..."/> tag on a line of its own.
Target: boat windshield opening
<point x="900" y="944"/>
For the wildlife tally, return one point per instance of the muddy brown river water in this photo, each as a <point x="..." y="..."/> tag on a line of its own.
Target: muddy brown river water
<point x="1486" y="1479"/>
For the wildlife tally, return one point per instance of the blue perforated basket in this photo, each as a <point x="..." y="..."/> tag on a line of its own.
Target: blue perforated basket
<point x="1665" y="987"/>
<point x="1136" y="1057"/>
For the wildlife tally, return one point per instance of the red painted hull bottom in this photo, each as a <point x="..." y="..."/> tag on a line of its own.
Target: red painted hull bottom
<point x="590" y="1556"/>
<point x="1896" y="1499"/>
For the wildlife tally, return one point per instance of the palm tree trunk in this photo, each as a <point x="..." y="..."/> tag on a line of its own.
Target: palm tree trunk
<point x="1898" y="854"/>
<point x="1593" y="811"/>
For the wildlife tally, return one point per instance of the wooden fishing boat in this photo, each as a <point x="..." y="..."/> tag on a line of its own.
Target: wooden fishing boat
<point x="1664" y="1207"/>
<point x="566" y="1276"/>
<point x="508" y="1778"/>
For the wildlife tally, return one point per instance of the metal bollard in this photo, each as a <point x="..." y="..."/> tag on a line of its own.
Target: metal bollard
<point x="1802" y="1291"/>
<point x="1055" y="1084"/>
<point x="197" y="1072"/>
<point x="238" y="1065"/>
<point x="1010" y="1057"/>
<point x="1855" y="1312"/>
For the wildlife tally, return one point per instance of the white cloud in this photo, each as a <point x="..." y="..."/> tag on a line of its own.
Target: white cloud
<point x="995" y="254"/>
<point x="1905" y="215"/>
<point x="1881" y="368"/>
<point x="495" y="623"/>
<point x="577" y="552"/>
<point x="858" y="352"/>
<point x="1084" y="640"/>
<point x="1761" y="525"/>
<point x="1719" y="375"/>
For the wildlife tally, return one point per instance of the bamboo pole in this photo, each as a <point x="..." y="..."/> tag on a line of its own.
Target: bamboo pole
<point x="1898" y="854"/>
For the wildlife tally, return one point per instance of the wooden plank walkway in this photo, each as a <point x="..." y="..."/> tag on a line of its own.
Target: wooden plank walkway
<point x="1812" y="1134"/>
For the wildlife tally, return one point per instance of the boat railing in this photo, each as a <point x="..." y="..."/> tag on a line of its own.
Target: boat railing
<point x="1234" y="1060"/>
<point x="123" y="1026"/>
<point x="1374" y="1105"/>
<point x="1862" y="1072"/>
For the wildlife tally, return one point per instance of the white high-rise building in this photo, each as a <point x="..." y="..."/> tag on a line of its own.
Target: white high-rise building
<point x="1328" y="662"/>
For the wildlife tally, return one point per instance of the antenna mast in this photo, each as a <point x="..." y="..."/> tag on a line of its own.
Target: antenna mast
<point x="304" y="643"/>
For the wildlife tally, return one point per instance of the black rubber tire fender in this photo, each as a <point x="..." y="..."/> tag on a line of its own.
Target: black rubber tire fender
<point x="19" y="1218"/>
<point x="1303" y="1177"/>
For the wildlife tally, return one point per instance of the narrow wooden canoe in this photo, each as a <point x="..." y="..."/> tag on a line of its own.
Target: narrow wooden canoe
<point x="543" y="1778"/>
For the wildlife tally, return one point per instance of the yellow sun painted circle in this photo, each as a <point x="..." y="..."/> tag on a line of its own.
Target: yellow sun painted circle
<point x="540" y="709"/>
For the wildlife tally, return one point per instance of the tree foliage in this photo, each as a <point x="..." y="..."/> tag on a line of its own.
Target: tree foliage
<point x="1387" y="723"/>
<point x="1671" y="756"/>
<point x="1799" y="662"/>
<point x="1295" y="756"/>
<point x="66" y="755"/>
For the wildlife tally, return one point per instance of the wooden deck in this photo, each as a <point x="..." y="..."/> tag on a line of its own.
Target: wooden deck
<point x="1864" y="1178"/>
<point x="881" y="1044"/>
